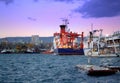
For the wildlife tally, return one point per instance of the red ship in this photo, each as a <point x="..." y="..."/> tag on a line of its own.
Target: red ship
<point x="66" y="42"/>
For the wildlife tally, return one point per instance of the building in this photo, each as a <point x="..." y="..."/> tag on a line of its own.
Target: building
<point x="35" y="39"/>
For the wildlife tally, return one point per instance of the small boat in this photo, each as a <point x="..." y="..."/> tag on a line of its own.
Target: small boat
<point x="28" y="51"/>
<point x="48" y="52"/>
<point x="102" y="70"/>
<point x="94" y="70"/>
<point x="7" y="51"/>
<point x="114" y="67"/>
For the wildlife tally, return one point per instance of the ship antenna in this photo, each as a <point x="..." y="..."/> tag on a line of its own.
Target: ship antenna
<point x="65" y="22"/>
<point x="92" y="27"/>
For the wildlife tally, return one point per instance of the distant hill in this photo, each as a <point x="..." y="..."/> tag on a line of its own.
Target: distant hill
<point x="26" y="39"/>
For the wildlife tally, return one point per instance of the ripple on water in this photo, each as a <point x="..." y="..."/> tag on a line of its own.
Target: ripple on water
<point x="50" y="69"/>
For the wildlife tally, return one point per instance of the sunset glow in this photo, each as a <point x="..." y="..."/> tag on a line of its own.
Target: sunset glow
<point x="43" y="17"/>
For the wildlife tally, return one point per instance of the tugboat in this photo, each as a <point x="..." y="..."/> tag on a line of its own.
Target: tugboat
<point x="93" y="70"/>
<point x="96" y="70"/>
<point x="66" y="42"/>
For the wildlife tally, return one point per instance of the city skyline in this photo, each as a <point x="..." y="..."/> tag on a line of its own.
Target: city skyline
<point x="43" y="17"/>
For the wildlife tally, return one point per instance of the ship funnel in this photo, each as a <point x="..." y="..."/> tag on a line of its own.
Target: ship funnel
<point x="62" y="28"/>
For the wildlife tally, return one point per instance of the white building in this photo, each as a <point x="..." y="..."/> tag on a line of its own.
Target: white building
<point x="35" y="39"/>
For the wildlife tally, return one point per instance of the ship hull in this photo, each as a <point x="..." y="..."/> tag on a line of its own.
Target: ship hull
<point x="69" y="51"/>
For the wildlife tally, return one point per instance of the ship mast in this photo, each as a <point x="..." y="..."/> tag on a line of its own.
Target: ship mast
<point x="65" y="22"/>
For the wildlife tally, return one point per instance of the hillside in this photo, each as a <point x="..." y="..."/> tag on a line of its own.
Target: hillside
<point x="26" y="39"/>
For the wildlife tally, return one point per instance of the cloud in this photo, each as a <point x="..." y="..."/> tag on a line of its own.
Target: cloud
<point x="35" y="0"/>
<point x="67" y="1"/>
<point x="31" y="18"/>
<point x="99" y="8"/>
<point x="7" y="1"/>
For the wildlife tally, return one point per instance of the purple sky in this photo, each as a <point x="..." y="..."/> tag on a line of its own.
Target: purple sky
<point x="43" y="17"/>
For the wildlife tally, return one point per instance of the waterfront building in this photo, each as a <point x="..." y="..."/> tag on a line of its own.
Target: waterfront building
<point x="35" y="40"/>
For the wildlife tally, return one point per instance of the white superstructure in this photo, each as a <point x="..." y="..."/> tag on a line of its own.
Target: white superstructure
<point x="102" y="46"/>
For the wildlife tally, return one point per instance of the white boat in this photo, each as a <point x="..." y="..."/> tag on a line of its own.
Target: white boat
<point x="101" y="46"/>
<point x="29" y="51"/>
<point x="7" y="51"/>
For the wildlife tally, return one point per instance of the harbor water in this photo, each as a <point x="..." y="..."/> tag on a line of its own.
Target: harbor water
<point x="43" y="68"/>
